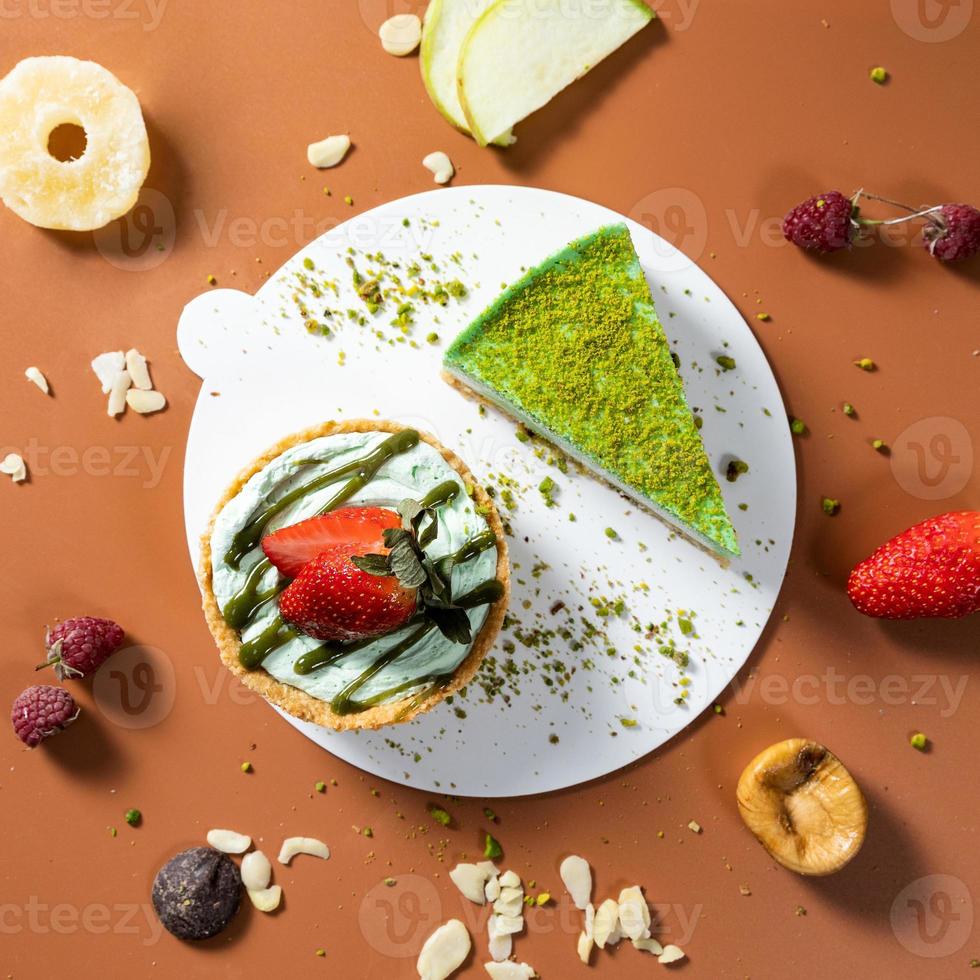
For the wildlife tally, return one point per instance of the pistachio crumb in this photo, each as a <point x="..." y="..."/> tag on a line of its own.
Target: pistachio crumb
<point x="320" y="787"/>
<point x="134" y="818"/>
<point x="918" y="741"/>
<point x="879" y="75"/>
<point x="246" y="767"/>
<point x="830" y="506"/>
<point x="865" y="364"/>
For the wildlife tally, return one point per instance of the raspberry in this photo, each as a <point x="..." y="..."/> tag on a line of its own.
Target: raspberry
<point x="825" y="223"/>
<point x="78" y="647"/>
<point x="954" y="233"/>
<point x="42" y="711"/>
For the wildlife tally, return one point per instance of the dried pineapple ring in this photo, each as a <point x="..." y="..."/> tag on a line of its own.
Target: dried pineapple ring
<point x="39" y="95"/>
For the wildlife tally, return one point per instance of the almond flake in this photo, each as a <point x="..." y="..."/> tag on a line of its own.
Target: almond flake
<point x="509" y="971"/>
<point x="510" y="879"/>
<point x="292" y="846"/>
<point x="694" y="827"/>
<point x="401" y="35"/>
<point x="585" y="945"/>
<point x="492" y="890"/>
<point x="34" y="375"/>
<point x="501" y="944"/>
<point x="444" y="951"/>
<point x="508" y="924"/>
<point x="117" y="393"/>
<point x="671" y="954"/>
<point x="229" y="842"/>
<point x="328" y="152"/>
<point x="266" y="899"/>
<point x="606" y="928"/>
<point x="634" y="913"/>
<point x="145" y="402"/>
<point x="138" y="372"/>
<point x="470" y="879"/>
<point x="441" y="166"/>
<point x="256" y="871"/>
<point x="648" y="945"/>
<point x="577" y="878"/>
<point x="510" y="902"/>
<point x="14" y="466"/>
<point x="107" y="366"/>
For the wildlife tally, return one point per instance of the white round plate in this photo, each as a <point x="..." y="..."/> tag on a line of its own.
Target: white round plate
<point x="576" y="694"/>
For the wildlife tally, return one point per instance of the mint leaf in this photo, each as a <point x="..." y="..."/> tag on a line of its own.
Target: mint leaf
<point x="405" y="564"/>
<point x="452" y="622"/>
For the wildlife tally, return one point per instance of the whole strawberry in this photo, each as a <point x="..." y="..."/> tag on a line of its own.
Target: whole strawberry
<point x="825" y="223"/>
<point x="932" y="569"/>
<point x="332" y="599"/>
<point x="78" y="647"/>
<point x="953" y="233"/>
<point x="42" y="711"/>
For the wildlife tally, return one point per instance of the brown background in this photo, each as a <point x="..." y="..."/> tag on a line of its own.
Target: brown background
<point x="731" y="111"/>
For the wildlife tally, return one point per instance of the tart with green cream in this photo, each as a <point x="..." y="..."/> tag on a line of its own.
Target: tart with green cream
<point x="355" y="574"/>
<point x="575" y="352"/>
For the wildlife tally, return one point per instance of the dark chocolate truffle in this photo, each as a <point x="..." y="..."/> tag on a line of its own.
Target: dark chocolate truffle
<point x="197" y="893"/>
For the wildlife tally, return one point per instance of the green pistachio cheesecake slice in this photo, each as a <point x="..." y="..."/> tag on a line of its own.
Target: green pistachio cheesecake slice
<point x="575" y="352"/>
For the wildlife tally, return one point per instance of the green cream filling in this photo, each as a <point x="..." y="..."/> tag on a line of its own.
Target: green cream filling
<point x="576" y="352"/>
<point x="408" y="474"/>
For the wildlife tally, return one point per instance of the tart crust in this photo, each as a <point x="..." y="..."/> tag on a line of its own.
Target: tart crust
<point x="291" y="699"/>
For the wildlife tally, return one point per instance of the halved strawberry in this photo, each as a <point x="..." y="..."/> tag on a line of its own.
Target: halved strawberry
<point x="332" y="599"/>
<point x="290" y="548"/>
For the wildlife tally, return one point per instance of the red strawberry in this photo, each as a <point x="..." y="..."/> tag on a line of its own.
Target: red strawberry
<point x="79" y="646"/>
<point x="42" y="711"/>
<point x="932" y="569"/>
<point x="332" y="599"/>
<point x="290" y="548"/>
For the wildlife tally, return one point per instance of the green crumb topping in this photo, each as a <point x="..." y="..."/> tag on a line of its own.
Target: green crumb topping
<point x="719" y="710"/>
<point x="308" y="264"/>
<point x="432" y="338"/>
<point x="848" y="409"/>
<point x="918" y="741"/>
<point x="628" y="722"/>
<point x="320" y="787"/>
<point x="725" y="362"/>
<point x="489" y="814"/>
<point x="879" y="75"/>
<point x="492" y="848"/>
<point x="764" y="317"/>
<point x="879" y="446"/>
<point x="440" y="816"/>
<point x="547" y="488"/>
<point x="134" y="818"/>
<point x="348" y="200"/>
<point x="611" y="533"/>
<point x="797" y="427"/>
<point x="830" y="506"/>
<point x="865" y="364"/>
<point x="735" y="468"/>
<point x="574" y="350"/>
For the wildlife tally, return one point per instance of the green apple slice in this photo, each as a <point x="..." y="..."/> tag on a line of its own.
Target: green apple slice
<point x="521" y="53"/>
<point x="446" y="24"/>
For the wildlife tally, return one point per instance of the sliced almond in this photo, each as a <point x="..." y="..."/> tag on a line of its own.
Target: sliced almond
<point x="492" y="890"/>
<point x="328" y="152"/>
<point x="470" y="879"/>
<point x="585" y="946"/>
<point x="14" y="466"/>
<point x="444" y="951"/>
<point x="509" y="971"/>
<point x="508" y="924"/>
<point x="228" y="841"/>
<point x="671" y="954"/>
<point x="292" y="846"/>
<point x="256" y="871"/>
<point x="510" y="902"/>
<point x="266" y="899"/>
<point x="401" y="35"/>
<point x="606" y="928"/>
<point x="648" y="945"/>
<point x="590" y="920"/>
<point x="500" y="944"/>
<point x="138" y="371"/>
<point x="634" y="913"/>
<point x="145" y="402"/>
<point x="577" y="878"/>
<point x="510" y="879"/>
<point x="441" y="166"/>
<point x="34" y="375"/>
<point x="107" y="366"/>
<point x="117" y="393"/>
